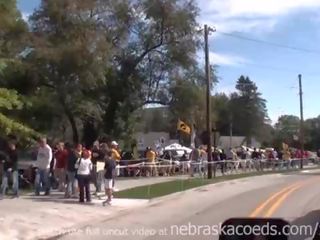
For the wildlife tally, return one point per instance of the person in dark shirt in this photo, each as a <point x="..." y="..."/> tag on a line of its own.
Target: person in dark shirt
<point x="255" y="154"/>
<point x="257" y="159"/>
<point x="72" y="158"/>
<point x="10" y="168"/>
<point x="110" y="173"/>
<point x="97" y="174"/>
<point x="126" y="159"/>
<point x="223" y="157"/>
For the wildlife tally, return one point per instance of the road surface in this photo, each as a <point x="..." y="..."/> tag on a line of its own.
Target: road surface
<point x="294" y="197"/>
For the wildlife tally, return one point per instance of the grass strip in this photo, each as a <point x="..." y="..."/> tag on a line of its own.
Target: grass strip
<point x="166" y="188"/>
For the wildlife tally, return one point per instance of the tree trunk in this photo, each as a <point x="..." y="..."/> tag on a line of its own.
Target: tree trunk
<point x="110" y="117"/>
<point x="72" y="121"/>
<point x="89" y="132"/>
<point x="73" y="126"/>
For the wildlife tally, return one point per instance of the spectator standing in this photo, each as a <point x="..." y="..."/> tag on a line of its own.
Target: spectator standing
<point x="115" y="154"/>
<point x="115" y="151"/>
<point x="151" y="158"/>
<point x="216" y="160"/>
<point x="280" y="155"/>
<point x="84" y="167"/>
<point x="195" y="161"/>
<point x="61" y="156"/>
<point x="256" y="159"/>
<point x="229" y="154"/>
<point x="126" y="159"/>
<point x="204" y="161"/>
<point x="275" y="154"/>
<point x="71" y="171"/>
<point x="78" y="150"/>
<point x="109" y="176"/>
<point x="44" y="158"/>
<point x="248" y="153"/>
<point x="223" y="157"/>
<point x="97" y="172"/>
<point x="10" y="168"/>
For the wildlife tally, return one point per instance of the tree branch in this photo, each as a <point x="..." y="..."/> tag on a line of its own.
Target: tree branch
<point x="161" y="42"/>
<point x="48" y="85"/>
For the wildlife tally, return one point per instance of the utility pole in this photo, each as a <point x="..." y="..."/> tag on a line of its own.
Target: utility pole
<point x="207" y="69"/>
<point x="301" y="122"/>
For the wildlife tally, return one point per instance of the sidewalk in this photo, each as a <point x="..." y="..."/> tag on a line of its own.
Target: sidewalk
<point x="31" y="217"/>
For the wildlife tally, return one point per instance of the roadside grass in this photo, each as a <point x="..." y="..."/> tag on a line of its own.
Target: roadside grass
<point x="166" y="188"/>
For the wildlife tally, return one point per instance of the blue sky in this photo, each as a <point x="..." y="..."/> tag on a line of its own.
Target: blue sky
<point x="275" y="70"/>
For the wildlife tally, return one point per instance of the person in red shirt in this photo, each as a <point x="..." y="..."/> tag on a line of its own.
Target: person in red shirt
<point x="61" y="157"/>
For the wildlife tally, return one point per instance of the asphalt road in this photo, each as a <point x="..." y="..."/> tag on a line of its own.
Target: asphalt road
<point x="294" y="197"/>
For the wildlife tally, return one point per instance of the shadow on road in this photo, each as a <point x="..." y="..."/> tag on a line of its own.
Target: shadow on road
<point x="54" y="198"/>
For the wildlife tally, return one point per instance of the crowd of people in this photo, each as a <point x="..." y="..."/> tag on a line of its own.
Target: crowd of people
<point x="71" y="169"/>
<point x="246" y="159"/>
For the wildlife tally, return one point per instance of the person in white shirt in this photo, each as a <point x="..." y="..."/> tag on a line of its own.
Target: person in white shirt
<point x="84" y="168"/>
<point x="44" y="158"/>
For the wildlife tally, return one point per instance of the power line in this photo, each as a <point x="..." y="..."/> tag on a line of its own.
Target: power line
<point x="276" y="68"/>
<point x="278" y="45"/>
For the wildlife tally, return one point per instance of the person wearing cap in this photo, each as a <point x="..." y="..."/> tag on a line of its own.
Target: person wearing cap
<point x="114" y="151"/>
<point x="84" y="167"/>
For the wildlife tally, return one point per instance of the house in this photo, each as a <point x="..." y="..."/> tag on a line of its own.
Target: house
<point x="225" y="142"/>
<point x="152" y="139"/>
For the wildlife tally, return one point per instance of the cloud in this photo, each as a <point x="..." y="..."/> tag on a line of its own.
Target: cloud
<point x="226" y="59"/>
<point x="25" y="16"/>
<point x="250" y="15"/>
<point x="227" y="89"/>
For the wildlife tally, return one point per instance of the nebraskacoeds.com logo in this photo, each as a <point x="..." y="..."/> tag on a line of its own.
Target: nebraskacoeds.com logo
<point x="267" y="229"/>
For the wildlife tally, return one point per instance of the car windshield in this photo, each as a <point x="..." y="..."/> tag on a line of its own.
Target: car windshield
<point x="159" y="119"/>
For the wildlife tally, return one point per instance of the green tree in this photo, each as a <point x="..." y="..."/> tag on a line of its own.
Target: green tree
<point x="68" y="58"/>
<point x="312" y="133"/>
<point x="287" y="130"/>
<point x="12" y="32"/>
<point x="156" y="40"/>
<point x="100" y="61"/>
<point x="223" y="114"/>
<point x="249" y="112"/>
<point x="9" y="100"/>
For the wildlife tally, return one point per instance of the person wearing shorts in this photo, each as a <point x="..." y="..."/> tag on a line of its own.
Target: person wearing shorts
<point x="110" y="173"/>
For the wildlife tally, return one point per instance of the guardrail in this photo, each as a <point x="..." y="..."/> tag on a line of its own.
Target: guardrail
<point x="170" y="167"/>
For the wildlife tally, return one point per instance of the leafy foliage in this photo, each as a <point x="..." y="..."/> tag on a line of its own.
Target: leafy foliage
<point x="91" y="66"/>
<point x="12" y="32"/>
<point x="8" y="101"/>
